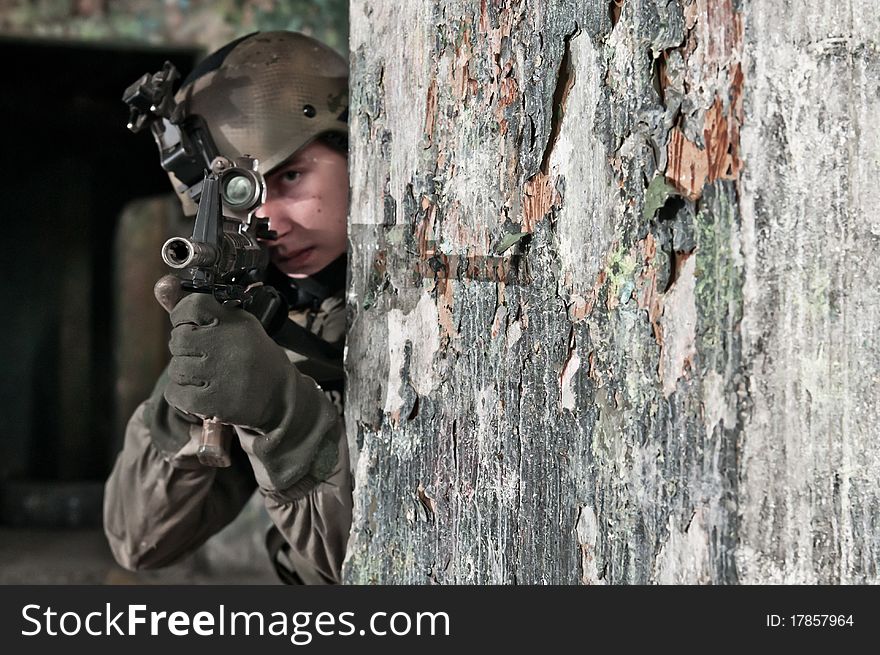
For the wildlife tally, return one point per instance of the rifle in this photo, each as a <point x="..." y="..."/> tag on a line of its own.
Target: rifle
<point x="224" y="256"/>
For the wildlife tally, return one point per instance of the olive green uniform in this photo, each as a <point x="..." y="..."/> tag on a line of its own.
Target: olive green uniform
<point x="161" y="504"/>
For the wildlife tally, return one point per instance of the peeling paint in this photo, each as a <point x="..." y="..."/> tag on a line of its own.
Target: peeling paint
<point x="587" y="530"/>
<point x="418" y="328"/>
<point x="587" y="218"/>
<point x="500" y="317"/>
<point x="650" y="298"/>
<point x="445" y="305"/>
<point x="538" y="197"/>
<point x="684" y="557"/>
<point x="678" y="325"/>
<point x="568" y="397"/>
<point x="688" y="165"/>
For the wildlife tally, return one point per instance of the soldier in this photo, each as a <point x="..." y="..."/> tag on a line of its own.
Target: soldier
<point x="280" y="97"/>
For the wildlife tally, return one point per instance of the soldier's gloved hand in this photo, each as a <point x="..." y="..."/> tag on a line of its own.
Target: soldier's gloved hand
<point x="171" y="430"/>
<point x="225" y="366"/>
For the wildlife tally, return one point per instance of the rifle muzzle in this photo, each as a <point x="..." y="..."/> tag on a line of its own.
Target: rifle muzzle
<point x="180" y="252"/>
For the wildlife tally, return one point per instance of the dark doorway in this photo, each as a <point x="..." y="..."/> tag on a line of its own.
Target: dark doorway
<point x="69" y="165"/>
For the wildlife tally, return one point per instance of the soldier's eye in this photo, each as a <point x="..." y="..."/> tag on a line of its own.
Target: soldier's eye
<point x="290" y="176"/>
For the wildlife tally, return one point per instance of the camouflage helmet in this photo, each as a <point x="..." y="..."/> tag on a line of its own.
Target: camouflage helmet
<point x="266" y="95"/>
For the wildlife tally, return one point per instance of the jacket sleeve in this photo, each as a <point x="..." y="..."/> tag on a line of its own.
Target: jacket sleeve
<point x="161" y="504"/>
<point x="311" y="512"/>
<point x="159" y="507"/>
<point x="312" y="508"/>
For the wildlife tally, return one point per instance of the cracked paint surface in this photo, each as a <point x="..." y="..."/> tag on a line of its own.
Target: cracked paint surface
<point x="661" y="376"/>
<point x="414" y="366"/>
<point x="678" y="325"/>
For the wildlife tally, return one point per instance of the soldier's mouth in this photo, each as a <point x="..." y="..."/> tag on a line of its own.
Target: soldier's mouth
<point x="297" y="256"/>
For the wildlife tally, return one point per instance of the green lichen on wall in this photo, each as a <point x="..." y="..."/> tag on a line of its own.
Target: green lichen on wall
<point x="658" y="191"/>
<point x="201" y="23"/>
<point x="719" y="273"/>
<point x="620" y="275"/>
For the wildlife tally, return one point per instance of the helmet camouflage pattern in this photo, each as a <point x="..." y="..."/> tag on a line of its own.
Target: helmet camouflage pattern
<point x="267" y="95"/>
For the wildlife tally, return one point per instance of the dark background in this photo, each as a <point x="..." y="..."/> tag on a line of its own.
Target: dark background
<point x="87" y="209"/>
<point x="69" y="166"/>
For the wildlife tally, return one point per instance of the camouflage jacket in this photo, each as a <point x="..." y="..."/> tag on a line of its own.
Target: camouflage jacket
<point x="159" y="507"/>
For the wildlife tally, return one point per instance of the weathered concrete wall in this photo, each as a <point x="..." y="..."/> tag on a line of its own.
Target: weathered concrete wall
<point x="811" y="326"/>
<point x="575" y="352"/>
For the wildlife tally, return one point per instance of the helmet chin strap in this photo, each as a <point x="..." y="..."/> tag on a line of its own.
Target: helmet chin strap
<point x="310" y="292"/>
<point x="324" y="363"/>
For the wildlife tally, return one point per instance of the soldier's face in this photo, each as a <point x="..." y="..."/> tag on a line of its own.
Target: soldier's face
<point x="307" y="205"/>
